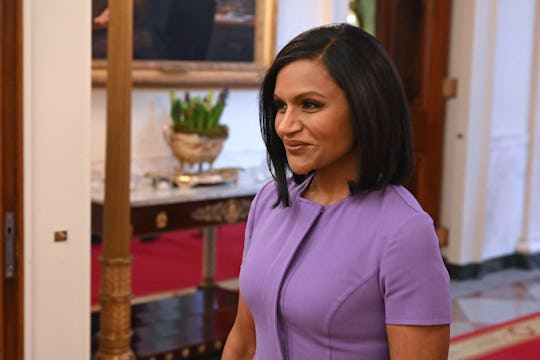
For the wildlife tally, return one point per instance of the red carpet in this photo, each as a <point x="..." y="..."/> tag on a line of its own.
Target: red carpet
<point x="518" y="339"/>
<point x="173" y="261"/>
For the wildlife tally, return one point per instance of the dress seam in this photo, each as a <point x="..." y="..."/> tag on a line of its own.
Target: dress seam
<point x="395" y="191"/>
<point x="349" y="292"/>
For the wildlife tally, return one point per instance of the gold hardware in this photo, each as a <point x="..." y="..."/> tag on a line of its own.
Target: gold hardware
<point x="449" y="87"/>
<point x="169" y="356"/>
<point x="185" y="352"/>
<point x="218" y="345"/>
<point x="161" y="220"/>
<point x="201" y="348"/>
<point x="60" y="235"/>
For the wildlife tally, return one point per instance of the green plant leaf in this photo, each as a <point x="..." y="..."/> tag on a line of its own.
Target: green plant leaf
<point x="215" y="114"/>
<point x="198" y="114"/>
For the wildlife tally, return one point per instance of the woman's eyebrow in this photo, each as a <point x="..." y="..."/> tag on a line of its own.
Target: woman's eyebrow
<point x="303" y="95"/>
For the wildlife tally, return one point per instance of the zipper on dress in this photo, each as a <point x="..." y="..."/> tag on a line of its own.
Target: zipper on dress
<point x="282" y="330"/>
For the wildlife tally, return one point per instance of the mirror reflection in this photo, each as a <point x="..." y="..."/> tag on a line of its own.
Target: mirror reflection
<point x="189" y="30"/>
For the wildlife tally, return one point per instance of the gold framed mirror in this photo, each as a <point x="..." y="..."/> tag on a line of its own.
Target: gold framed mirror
<point x="237" y="49"/>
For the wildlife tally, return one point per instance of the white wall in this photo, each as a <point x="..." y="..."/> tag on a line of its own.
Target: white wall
<point x="313" y="13"/>
<point x="57" y="179"/>
<point x="509" y="127"/>
<point x="530" y="237"/>
<point x="487" y="128"/>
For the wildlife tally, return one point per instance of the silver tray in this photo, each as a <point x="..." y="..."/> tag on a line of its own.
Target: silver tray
<point x="185" y="180"/>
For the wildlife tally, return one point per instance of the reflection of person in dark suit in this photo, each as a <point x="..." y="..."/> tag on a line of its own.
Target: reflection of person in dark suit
<point x="163" y="29"/>
<point x="181" y="29"/>
<point x="100" y="18"/>
<point x="142" y="40"/>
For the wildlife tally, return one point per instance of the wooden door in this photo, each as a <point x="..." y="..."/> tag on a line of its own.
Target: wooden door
<point x="416" y="33"/>
<point x="11" y="257"/>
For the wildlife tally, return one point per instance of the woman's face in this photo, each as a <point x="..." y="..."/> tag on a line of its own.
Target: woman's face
<point x="313" y="119"/>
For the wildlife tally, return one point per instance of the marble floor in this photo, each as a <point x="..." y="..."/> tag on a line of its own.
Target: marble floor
<point x="493" y="299"/>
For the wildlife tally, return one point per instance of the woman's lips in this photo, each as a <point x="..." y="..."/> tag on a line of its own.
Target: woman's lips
<point x="296" y="147"/>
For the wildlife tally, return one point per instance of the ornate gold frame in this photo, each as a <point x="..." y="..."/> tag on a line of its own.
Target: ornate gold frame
<point x="199" y="74"/>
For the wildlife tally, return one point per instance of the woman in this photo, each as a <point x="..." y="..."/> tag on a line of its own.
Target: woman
<point x="340" y="261"/>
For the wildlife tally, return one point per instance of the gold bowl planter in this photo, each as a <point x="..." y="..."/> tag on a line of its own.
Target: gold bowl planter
<point x="193" y="148"/>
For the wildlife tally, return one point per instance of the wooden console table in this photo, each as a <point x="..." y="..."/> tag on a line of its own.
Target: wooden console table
<point x="156" y="211"/>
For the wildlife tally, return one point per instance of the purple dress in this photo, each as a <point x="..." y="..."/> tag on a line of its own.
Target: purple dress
<point x="322" y="281"/>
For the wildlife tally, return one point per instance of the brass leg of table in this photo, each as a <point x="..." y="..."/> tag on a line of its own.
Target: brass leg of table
<point x="209" y="257"/>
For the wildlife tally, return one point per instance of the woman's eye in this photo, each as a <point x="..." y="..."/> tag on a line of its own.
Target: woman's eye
<point x="280" y="106"/>
<point x="311" y="105"/>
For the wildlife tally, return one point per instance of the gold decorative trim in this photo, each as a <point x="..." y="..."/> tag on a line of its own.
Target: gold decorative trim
<point x="230" y="211"/>
<point x="116" y="261"/>
<point x="115" y="315"/>
<point x="162" y="220"/>
<point x="112" y="299"/>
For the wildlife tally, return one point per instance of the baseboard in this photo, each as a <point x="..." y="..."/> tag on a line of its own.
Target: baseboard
<point x="478" y="270"/>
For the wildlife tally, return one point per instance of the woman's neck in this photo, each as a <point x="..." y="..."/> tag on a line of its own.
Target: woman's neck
<point x="328" y="189"/>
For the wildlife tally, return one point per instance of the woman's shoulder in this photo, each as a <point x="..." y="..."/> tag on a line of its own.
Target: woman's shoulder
<point x="402" y="225"/>
<point x="401" y="197"/>
<point x="265" y="193"/>
<point x="397" y="205"/>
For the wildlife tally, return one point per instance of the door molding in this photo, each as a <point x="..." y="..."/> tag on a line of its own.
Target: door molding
<point x="416" y="34"/>
<point x="11" y="175"/>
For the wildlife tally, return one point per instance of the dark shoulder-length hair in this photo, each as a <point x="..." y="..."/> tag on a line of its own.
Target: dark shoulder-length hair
<point x="362" y="68"/>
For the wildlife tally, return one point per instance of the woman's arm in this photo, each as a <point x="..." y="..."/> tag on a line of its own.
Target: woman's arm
<point x="418" y="342"/>
<point x="240" y="342"/>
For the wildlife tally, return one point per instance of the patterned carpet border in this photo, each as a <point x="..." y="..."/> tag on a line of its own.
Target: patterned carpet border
<point x="495" y="338"/>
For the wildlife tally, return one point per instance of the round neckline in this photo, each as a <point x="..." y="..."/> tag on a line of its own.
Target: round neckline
<point x="326" y="207"/>
<point x="303" y="187"/>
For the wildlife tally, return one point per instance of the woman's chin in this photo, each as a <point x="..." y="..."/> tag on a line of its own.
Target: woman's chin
<point x="300" y="170"/>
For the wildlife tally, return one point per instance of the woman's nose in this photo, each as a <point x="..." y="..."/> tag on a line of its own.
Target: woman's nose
<point x="287" y="122"/>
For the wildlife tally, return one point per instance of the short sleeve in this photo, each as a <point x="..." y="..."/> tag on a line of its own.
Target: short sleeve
<point x="413" y="278"/>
